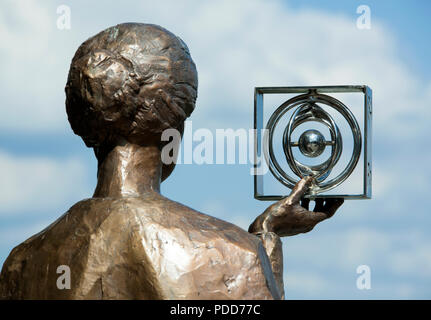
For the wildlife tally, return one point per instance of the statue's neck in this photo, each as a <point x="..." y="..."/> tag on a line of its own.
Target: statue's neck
<point x="129" y="170"/>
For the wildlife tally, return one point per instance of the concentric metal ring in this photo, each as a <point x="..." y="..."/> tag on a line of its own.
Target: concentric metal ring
<point x="305" y="113"/>
<point x="310" y="99"/>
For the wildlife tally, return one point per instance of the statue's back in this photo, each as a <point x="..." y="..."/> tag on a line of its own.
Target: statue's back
<point x="139" y="248"/>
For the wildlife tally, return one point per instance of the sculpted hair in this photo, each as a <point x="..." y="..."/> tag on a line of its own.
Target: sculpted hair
<point x="130" y="81"/>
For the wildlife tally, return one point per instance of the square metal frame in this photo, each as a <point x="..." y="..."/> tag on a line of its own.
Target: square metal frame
<point x="259" y="93"/>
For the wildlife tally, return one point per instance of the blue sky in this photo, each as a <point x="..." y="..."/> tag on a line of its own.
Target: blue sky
<point x="238" y="45"/>
<point x="410" y="23"/>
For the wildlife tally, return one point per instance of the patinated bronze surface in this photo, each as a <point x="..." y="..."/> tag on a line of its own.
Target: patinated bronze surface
<point x="126" y="85"/>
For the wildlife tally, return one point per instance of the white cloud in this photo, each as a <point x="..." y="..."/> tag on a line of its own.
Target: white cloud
<point x="38" y="183"/>
<point x="257" y="43"/>
<point x="401" y="255"/>
<point x="237" y="45"/>
<point x="32" y="56"/>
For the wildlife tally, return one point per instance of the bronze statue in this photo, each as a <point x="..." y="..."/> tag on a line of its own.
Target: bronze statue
<point x="126" y="85"/>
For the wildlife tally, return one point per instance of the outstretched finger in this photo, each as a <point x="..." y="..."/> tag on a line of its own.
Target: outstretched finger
<point x="300" y="189"/>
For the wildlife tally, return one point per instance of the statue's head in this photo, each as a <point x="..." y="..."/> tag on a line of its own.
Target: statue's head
<point x="129" y="83"/>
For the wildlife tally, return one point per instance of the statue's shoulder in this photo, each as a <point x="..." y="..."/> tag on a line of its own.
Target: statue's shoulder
<point x="190" y="255"/>
<point x="162" y="215"/>
<point x="84" y="238"/>
<point x="95" y="217"/>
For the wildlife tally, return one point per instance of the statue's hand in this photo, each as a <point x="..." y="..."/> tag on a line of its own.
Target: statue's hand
<point x="290" y="216"/>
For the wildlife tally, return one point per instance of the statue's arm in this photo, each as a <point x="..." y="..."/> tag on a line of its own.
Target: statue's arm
<point x="287" y="217"/>
<point x="273" y="247"/>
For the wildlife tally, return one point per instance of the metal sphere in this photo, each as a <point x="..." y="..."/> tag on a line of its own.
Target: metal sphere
<point x="312" y="143"/>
